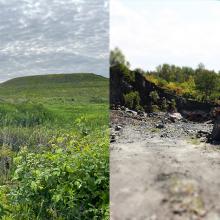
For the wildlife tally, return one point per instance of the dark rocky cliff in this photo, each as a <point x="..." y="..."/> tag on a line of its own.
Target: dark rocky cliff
<point x="119" y="85"/>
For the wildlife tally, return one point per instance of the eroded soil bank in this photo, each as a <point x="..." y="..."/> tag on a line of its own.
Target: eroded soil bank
<point x="163" y="170"/>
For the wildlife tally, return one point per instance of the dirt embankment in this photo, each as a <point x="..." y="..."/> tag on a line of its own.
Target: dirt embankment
<point x="163" y="170"/>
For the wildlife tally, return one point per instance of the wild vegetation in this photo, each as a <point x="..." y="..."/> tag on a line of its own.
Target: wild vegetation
<point x="198" y="84"/>
<point x="54" y="147"/>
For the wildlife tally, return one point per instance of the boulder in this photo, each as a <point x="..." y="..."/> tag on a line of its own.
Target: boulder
<point x="215" y="135"/>
<point x="152" y="114"/>
<point x="175" y="116"/>
<point x="196" y="115"/>
<point x="141" y="113"/>
<point x="118" y="128"/>
<point x="112" y="138"/>
<point x="131" y="112"/>
<point x="123" y="108"/>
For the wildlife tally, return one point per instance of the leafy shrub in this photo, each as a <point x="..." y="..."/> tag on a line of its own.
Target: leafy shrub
<point x="117" y="57"/>
<point x="139" y="108"/>
<point x="154" y="96"/>
<point x="175" y="87"/>
<point x="69" y="181"/>
<point x="4" y="206"/>
<point x="132" y="100"/>
<point x="164" y="105"/>
<point x="152" y="79"/>
<point x="172" y="106"/>
<point x="154" y="108"/>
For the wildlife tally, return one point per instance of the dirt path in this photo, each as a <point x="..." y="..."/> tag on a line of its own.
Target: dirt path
<point x="156" y="178"/>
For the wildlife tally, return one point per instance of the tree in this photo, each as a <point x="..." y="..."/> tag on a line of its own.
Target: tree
<point x="206" y="81"/>
<point x="166" y="72"/>
<point x="201" y="66"/>
<point x="187" y="72"/>
<point x="117" y="57"/>
<point x="139" y="70"/>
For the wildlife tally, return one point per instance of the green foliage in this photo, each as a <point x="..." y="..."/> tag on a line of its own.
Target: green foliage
<point x="132" y="100"/>
<point x="172" y="73"/>
<point x="69" y="181"/>
<point x="139" y="108"/>
<point x="154" y="96"/>
<point x="124" y="72"/>
<point x="164" y="104"/>
<point x="54" y="147"/>
<point x="25" y="114"/>
<point x="206" y="81"/>
<point x="117" y="57"/>
<point x="200" y="84"/>
<point x="172" y="106"/>
<point x="154" y="108"/>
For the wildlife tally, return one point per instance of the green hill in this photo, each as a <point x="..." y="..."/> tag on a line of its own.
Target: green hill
<point x="54" y="132"/>
<point x="78" y="86"/>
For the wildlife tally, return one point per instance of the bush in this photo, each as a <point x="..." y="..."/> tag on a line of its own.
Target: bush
<point x="154" y="97"/>
<point x="164" y="105"/>
<point x="139" y="108"/>
<point x="172" y="106"/>
<point x="154" y="108"/>
<point x="151" y="78"/>
<point x="69" y="181"/>
<point x="132" y="100"/>
<point x="175" y="87"/>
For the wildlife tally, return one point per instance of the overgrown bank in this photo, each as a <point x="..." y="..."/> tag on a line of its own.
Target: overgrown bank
<point x="54" y="148"/>
<point x="167" y="88"/>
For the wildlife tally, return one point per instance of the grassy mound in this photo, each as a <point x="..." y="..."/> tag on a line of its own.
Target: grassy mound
<point x="54" y="147"/>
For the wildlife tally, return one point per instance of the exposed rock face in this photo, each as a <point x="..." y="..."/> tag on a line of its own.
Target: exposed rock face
<point x="197" y="115"/>
<point x="175" y="116"/>
<point x="192" y="109"/>
<point x="119" y="86"/>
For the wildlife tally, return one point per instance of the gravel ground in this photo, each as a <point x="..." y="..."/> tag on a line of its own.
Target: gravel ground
<point x="163" y="170"/>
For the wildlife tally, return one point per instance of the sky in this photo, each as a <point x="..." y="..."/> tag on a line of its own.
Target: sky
<point x="180" y="32"/>
<point x="53" y="36"/>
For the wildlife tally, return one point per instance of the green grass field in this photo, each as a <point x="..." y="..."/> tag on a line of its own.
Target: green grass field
<point x="54" y="147"/>
<point x="71" y="88"/>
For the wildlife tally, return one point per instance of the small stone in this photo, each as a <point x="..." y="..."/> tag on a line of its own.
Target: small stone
<point x="112" y="138"/>
<point x="123" y="108"/>
<point x="160" y="126"/>
<point x="118" y="128"/>
<point x="164" y="135"/>
<point x="141" y="113"/>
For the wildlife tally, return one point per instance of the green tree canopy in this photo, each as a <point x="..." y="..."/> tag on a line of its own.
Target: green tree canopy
<point x="206" y="81"/>
<point x="117" y="57"/>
